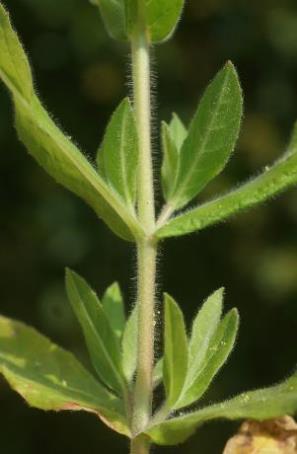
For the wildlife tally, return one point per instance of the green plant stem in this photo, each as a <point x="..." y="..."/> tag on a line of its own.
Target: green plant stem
<point x="146" y="248"/>
<point x="139" y="446"/>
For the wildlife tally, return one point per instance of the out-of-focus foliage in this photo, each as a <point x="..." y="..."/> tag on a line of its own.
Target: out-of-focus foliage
<point x="81" y="76"/>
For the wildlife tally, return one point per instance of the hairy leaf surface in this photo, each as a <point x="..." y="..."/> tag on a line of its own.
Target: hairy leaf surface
<point x="53" y="150"/>
<point x="118" y="156"/>
<point x="212" y="137"/>
<point x="50" y="378"/>
<point x="204" y="327"/>
<point x="260" y="405"/>
<point x="274" y="180"/>
<point x="219" y="349"/>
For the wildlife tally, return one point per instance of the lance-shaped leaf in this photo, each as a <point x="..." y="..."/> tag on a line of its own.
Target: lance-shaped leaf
<point x="113" y="305"/>
<point x="175" y="351"/>
<point x="129" y="346"/>
<point x="273" y="180"/>
<point x="54" y="151"/>
<point x="173" y="137"/>
<point x="101" y="340"/>
<point x="212" y="137"/>
<point x="118" y="157"/>
<point x="217" y="354"/>
<point x="50" y="378"/>
<point x="121" y="17"/>
<point x="260" y="405"/>
<point x="204" y="327"/>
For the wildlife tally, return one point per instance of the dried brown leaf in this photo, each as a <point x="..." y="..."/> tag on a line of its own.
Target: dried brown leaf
<point x="278" y="436"/>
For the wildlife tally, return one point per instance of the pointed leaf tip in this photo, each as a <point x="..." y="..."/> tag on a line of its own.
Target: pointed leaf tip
<point x="217" y="350"/>
<point x="212" y="136"/>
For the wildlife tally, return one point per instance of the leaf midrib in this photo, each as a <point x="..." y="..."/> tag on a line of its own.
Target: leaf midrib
<point x="182" y="187"/>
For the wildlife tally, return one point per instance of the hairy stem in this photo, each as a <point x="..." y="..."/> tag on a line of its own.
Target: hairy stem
<point x="146" y="249"/>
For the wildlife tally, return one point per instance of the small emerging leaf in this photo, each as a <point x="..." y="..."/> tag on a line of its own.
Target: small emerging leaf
<point x="204" y="327"/>
<point x="175" y="351"/>
<point x="269" y="403"/>
<point x="50" y="378"/>
<point x="102" y="343"/>
<point x="217" y="354"/>
<point x="129" y="346"/>
<point x="113" y="305"/>
<point x="173" y="137"/>
<point x="212" y="137"/>
<point x="118" y="156"/>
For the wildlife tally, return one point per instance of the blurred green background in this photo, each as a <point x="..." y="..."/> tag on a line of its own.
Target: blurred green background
<point x="81" y="75"/>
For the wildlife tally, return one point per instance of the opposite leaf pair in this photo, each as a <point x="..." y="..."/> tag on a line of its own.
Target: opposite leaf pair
<point x="160" y="17"/>
<point x="191" y="159"/>
<point x="50" y="378"/>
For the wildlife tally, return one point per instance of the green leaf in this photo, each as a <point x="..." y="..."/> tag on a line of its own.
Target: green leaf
<point x="212" y="137"/>
<point x="113" y="14"/>
<point x="280" y="176"/>
<point x="217" y="354"/>
<point x="121" y="17"/>
<point x="54" y="151"/>
<point x="113" y="305"/>
<point x="102" y="343"/>
<point x="261" y="405"/>
<point x="162" y="18"/>
<point x="50" y="378"/>
<point x="129" y="346"/>
<point x="175" y="351"/>
<point x="14" y="67"/>
<point x="118" y="156"/>
<point x="204" y="327"/>
<point x="173" y="137"/>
